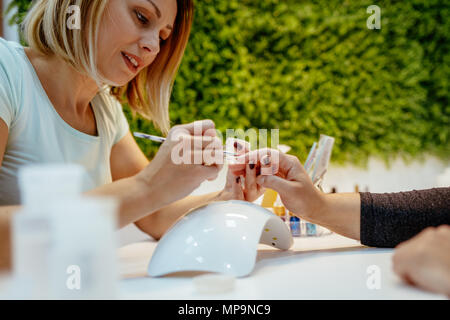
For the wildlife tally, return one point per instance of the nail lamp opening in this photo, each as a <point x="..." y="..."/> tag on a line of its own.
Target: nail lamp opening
<point x="220" y="237"/>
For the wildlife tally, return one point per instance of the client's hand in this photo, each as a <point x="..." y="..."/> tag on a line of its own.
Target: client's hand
<point x="241" y="185"/>
<point x="424" y="260"/>
<point x="286" y="175"/>
<point x="191" y="154"/>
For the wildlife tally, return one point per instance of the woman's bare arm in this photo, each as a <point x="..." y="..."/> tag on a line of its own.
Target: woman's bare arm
<point x="6" y="214"/>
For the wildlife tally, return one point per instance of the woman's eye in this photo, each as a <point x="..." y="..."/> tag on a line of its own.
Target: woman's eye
<point x="141" y="17"/>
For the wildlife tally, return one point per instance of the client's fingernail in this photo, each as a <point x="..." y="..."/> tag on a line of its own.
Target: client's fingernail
<point x="237" y="146"/>
<point x="238" y="179"/>
<point x="251" y="166"/>
<point x="266" y="160"/>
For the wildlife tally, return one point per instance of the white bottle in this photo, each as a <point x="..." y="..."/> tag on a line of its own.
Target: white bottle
<point x="39" y="185"/>
<point x="83" y="259"/>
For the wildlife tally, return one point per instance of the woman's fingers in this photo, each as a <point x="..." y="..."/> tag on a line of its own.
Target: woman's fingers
<point x="268" y="165"/>
<point x="197" y="128"/>
<point x="188" y="139"/>
<point x="233" y="187"/>
<point x="198" y="142"/>
<point x="280" y="185"/>
<point x="239" y="147"/>
<point x="236" y="190"/>
<point x="251" y="188"/>
<point x="209" y="173"/>
<point x="239" y="182"/>
<point x="198" y="150"/>
<point x="271" y="162"/>
<point x="268" y="160"/>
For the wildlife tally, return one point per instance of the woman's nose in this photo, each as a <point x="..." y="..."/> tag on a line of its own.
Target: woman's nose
<point x="151" y="45"/>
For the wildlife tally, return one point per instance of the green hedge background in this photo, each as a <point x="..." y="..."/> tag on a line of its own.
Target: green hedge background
<point x="312" y="67"/>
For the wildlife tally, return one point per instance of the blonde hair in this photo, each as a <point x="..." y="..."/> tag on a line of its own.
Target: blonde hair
<point x="149" y="92"/>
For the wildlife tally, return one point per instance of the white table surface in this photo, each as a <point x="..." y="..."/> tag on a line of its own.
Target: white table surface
<point x="329" y="267"/>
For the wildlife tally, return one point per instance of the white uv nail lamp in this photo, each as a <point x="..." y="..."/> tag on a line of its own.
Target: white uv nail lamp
<point x="220" y="237"/>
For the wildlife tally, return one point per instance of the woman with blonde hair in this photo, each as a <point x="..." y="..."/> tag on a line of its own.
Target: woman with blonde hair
<point x="59" y="102"/>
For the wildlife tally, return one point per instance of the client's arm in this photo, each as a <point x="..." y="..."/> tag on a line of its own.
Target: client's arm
<point x="381" y="220"/>
<point x="391" y="218"/>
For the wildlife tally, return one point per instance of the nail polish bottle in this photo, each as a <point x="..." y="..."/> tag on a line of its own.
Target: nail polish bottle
<point x="269" y="198"/>
<point x="302" y="228"/>
<point x="279" y="209"/>
<point x="32" y="227"/>
<point x="294" y="223"/>
<point x="311" y="229"/>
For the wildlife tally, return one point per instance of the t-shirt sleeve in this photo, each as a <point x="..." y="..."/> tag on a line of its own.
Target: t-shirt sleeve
<point x="8" y="83"/>
<point x="7" y="113"/>
<point x="121" y="123"/>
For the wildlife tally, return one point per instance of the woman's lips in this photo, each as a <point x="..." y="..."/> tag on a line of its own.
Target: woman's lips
<point x="129" y="64"/>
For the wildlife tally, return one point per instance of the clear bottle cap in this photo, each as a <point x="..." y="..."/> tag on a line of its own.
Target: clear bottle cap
<point x="40" y="184"/>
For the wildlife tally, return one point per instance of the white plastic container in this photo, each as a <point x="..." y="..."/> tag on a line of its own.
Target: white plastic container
<point x="32" y="226"/>
<point x="83" y="259"/>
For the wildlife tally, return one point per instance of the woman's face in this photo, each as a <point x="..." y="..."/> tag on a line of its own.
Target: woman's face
<point x="130" y="36"/>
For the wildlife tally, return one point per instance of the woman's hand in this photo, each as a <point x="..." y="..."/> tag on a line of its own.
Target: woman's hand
<point x="424" y="260"/>
<point x="241" y="185"/>
<point x="191" y="154"/>
<point x="284" y="174"/>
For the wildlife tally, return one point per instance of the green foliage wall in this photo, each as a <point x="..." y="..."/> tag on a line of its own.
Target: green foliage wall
<point x="312" y="67"/>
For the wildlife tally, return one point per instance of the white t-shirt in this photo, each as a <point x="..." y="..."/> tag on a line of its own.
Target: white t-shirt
<point x="37" y="133"/>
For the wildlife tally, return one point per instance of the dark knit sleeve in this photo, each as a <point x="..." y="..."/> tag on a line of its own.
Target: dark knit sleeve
<point x="390" y="218"/>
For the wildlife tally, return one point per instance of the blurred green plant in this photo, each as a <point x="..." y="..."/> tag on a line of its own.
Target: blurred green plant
<point x="312" y="67"/>
<point x="18" y="10"/>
